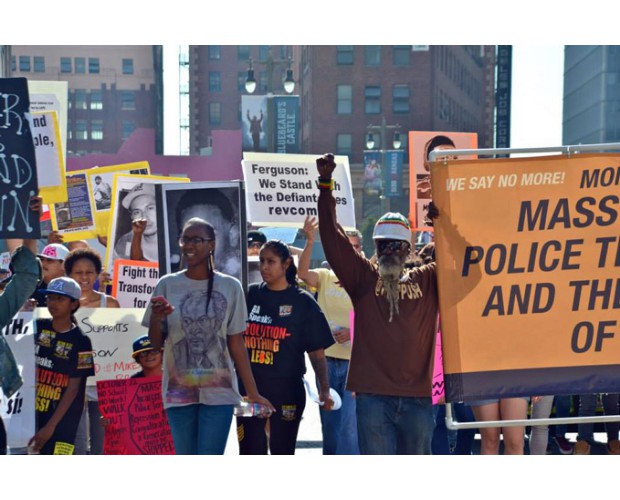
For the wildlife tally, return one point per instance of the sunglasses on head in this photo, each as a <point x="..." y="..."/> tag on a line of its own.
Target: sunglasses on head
<point x="392" y="245"/>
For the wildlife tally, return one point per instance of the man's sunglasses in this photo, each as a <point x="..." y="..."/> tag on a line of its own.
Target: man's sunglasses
<point x="393" y="245"/>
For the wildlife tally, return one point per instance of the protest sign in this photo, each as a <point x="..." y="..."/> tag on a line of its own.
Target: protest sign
<point x="138" y="424"/>
<point x="420" y="144"/>
<point x="528" y="253"/>
<point x="75" y="218"/>
<point x="100" y="182"/>
<point x="222" y="204"/>
<point x="50" y="158"/>
<point x="133" y="197"/>
<point x="17" y="412"/>
<point x="52" y="96"/>
<point x="18" y="172"/>
<point x="134" y="282"/>
<point x="282" y="189"/>
<point x="112" y="332"/>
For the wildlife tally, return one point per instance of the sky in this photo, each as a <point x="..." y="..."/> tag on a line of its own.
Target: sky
<point x="536" y="115"/>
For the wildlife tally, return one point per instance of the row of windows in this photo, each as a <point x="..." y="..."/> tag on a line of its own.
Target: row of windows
<point x="93" y="130"/>
<point x="372" y="99"/>
<point x="401" y="55"/>
<point x="93" y="100"/>
<point x="450" y="111"/>
<point x="454" y="69"/>
<point x="67" y="65"/>
<point x="243" y="52"/>
<point x="262" y="83"/>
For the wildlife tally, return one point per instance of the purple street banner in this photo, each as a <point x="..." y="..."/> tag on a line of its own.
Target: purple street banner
<point x="18" y="167"/>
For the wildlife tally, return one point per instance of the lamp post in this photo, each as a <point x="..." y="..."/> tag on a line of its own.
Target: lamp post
<point x="370" y="144"/>
<point x="270" y="63"/>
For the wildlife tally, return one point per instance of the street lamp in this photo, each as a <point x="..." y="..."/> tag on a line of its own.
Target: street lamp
<point x="370" y="144"/>
<point x="269" y="63"/>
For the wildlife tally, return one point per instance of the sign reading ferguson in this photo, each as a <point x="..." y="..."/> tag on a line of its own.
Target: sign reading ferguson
<point x="542" y="242"/>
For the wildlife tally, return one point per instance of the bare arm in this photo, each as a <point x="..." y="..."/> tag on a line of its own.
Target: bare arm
<point x="135" y="252"/>
<point x="319" y="365"/>
<point x="239" y="354"/>
<point x="160" y="308"/>
<point x="303" y="269"/>
<point x="47" y="431"/>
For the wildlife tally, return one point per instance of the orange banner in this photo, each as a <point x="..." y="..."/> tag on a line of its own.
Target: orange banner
<point x="528" y="254"/>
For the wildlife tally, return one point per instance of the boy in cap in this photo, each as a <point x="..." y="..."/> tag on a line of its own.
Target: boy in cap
<point x="64" y="359"/>
<point x="149" y="358"/>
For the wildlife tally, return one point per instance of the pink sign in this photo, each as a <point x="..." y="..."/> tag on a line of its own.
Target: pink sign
<point x="137" y="422"/>
<point x="438" y="391"/>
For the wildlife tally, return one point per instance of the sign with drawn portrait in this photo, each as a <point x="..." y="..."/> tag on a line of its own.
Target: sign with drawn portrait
<point x="18" y="168"/>
<point x="222" y="204"/>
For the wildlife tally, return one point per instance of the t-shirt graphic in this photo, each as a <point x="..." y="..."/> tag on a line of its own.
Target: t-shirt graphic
<point x="199" y="357"/>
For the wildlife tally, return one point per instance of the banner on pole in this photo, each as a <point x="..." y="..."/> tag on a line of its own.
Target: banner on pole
<point x="528" y="252"/>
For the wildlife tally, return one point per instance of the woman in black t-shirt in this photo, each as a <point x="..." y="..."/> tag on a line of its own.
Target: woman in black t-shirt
<point x="284" y="323"/>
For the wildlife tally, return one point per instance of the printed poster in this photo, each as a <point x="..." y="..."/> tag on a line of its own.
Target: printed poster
<point x="134" y="282"/>
<point x="138" y="423"/>
<point x="75" y="218"/>
<point x="419" y="168"/>
<point x="281" y="190"/>
<point x="528" y="252"/>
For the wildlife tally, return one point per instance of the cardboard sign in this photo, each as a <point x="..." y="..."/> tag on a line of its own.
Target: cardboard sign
<point x="282" y="189"/>
<point x="138" y="424"/>
<point x="18" y="167"/>
<point x="528" y="252"/>
<point x="134" y="282"/>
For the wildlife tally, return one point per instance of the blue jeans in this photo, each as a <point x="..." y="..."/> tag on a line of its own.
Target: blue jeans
<point x="587" y="408"/>
<point x="394" y="425"/>
<point x="199" y="429"/>
<point x="339" y="427"/>
<point x="562" y="410"/>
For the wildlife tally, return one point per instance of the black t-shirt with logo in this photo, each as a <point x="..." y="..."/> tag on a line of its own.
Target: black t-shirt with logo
<point x="282" y="326"/>
<point x="60" y="357"/>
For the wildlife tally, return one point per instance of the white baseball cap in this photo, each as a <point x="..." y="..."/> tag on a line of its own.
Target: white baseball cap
<point x="55" y="251"/>
<point x="392" y="226"/>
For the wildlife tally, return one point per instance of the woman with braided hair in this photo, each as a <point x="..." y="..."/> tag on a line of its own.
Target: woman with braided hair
<point x="198" y="315"/>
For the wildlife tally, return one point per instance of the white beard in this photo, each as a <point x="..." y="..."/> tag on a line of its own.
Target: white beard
<point x="390" y="270"/>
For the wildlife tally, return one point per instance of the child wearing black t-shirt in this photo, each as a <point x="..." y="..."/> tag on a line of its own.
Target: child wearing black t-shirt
<point x="64" y="359"/>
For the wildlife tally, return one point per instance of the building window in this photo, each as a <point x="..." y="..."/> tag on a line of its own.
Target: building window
<point x="344" y="54"/>
<point x="69" y="129"/>
<point x="401" y="55"/>
<point x="242" y="76"/>
<point x="80" y="65"/>
<point x="372" y="105"/>
<point x="24" y="63"/>
<point x="344" y="144"/>
<point x="263" y="52"/>
<point x="215" y="53"/>
<point x="96" y="99"/>
<point x="79" y="96"/>
<point x="400" y="99"/>
<point x="243" y="52"/>
<point x="39" y="64"/>
<point x="345" y="99"/>
<point x="372" y="55"/>
<point x="127" y="66"/>
<point x="128" y="100"/>
<point x="215" y="81"/>
<point x="93" y="65"/>
<point x="128" y="128"/>
<point x="215" y="113"/>
<point x="96" y="130"/>
<point x="13" y="63"/>
<point x="81" y="129"/>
